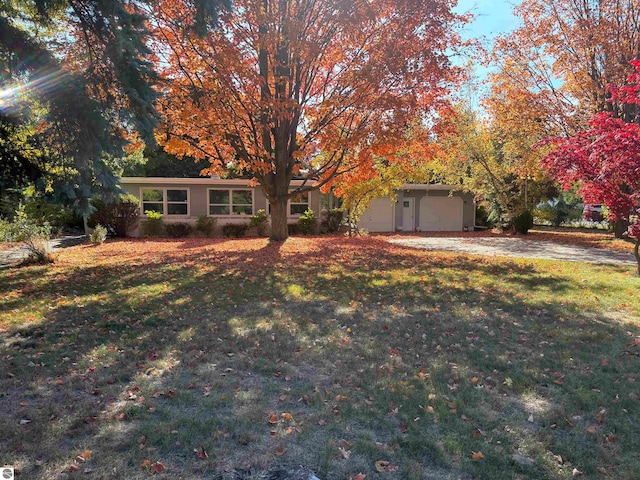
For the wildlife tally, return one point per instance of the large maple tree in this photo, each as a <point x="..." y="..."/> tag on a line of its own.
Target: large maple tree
<point x="305" y="89"/>
<point x="566" y="53"/>
<point x="605" y="158"/>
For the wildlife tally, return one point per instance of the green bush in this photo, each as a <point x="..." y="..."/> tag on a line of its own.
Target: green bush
<point x="153" y="226"/>
<point x="523" y="222"/>
<point x="206" y="225"/>
<point x="118" y="217"/>
<point x="293" y="229"/>
<point x="33" y="236"/>
<point x="307" y="224"/>
<point x="235" y="230"/>
<point x="332" y="221"/>
<point x="99" y="235"/>
<point x="6" y="231"/>
<point x="561" y="210"/>
<point x="482" y="216"/>
<point x="260" y="221"/>
<point x="57" y="216"/>
<point x="178" y="230"/>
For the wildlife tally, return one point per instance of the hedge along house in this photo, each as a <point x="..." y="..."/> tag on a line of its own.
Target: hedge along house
<point x="417" y="207"/>
<point x="183" y="200"/>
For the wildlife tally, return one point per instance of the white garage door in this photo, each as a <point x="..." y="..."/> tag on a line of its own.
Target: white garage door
<point x="378" y="217"/>
<point x="441" y="214"/>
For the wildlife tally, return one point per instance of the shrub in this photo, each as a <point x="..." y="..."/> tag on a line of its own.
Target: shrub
<point x="99" y="234"/>
<point x="118" y="217"/>
<point x="307" y="224"/>
<point x="332" y="221"/>
<point x="153" y="226"/>
<point x="482" y="216"/>
<point x="57" y="216"/>
<point x="236" y="230"/>
<point x="523" y="222"/>
<point x="260" y="221"/>
<point x="33" y="236"/>
<point x="293" y="228"/>
<point x="6" y="231"/>
<point x="206" y="225"/>
<point x="178" y="230"/>
<point x="558" y="211"/>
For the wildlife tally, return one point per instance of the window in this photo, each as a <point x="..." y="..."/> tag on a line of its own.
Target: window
<point x="230" y="202"/>
<point x="299" y="203"/>
<point x="168" y="201"/>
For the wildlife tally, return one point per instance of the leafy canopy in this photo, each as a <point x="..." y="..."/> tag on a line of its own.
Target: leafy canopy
<point x="301" y="88"/>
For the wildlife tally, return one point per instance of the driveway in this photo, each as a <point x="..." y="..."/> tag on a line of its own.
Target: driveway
<point x="17" y="254"/>
<point x="517" y="247"/>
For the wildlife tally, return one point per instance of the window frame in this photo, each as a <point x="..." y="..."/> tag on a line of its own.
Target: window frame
<point x="289" y="213"/>
<point x="230" y="191"/>
<point x="290" y="203"/>
<point x="165" y="201"/>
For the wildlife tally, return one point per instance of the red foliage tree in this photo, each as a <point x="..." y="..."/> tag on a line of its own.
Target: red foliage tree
<point x="289" y="89"/>
<point x="605" y="159"/>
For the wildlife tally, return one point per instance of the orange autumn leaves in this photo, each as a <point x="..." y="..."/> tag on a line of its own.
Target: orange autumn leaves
<point x="155" y="467"/>
<point x="313" y="89"/>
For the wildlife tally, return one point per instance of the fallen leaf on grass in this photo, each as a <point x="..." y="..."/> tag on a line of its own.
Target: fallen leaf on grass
<point x="280" y="451"/>
<point x="384" y="466"/>
<point x="74" y="468"/>
<point x="273" y="418"/>
<point x="84" y="456"/>
<point x="360" y="476"/>
<point x="345" y="444"/>
<point x="477" y="455"/>
<point x="344" y="453"/>
<point x="25" y="421"/>
<point x="287" y="417"/>
<point x="145" y="464"/>
<point x="201" y="453"/>
<point x="592" y="429"/>
<point x="157" y="467"/>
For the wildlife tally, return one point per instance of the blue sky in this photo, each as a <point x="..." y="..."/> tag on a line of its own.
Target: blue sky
<point x="492" y="18"/>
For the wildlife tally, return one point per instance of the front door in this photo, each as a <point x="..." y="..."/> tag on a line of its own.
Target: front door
<point x="408" y="214"/>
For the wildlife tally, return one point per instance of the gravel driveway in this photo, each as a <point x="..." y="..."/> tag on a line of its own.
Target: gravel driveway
<point x="517" y="247"/>
<point x="17" y="254"/>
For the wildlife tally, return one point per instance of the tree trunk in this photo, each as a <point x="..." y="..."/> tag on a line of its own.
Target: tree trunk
<point x="619" y="228"/>
<point x="636" y="252"/>
<point x="279" y="228"/>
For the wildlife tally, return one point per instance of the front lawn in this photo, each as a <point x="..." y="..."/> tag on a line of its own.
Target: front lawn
<point x="189" y="358"/>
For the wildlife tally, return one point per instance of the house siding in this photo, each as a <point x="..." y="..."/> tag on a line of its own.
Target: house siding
<point x="198" y="201"/>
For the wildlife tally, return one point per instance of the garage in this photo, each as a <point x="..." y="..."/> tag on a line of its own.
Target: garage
<point x="378" y="217"/>
<point x="441" y="214"/>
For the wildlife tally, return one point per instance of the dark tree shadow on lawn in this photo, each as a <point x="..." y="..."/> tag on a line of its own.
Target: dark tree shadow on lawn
<point x="124" y="367"/>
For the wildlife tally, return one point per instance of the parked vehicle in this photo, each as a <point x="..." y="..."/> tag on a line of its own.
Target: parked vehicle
<point x="593" y="212"/>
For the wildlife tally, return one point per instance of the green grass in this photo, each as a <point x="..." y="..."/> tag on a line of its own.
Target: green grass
<point x="313" y="351"/>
